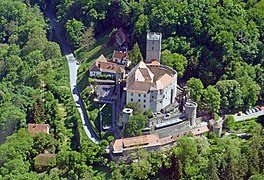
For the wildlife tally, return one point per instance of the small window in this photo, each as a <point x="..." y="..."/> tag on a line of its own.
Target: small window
<point x="144" y="106"/>
<point x="144" y="95"/>
<point x="144" y="100"/>
<point x="198" y="129"/>
<point x="131" y="94"/>
<point x="131" y="99"/>
<point x="138" y="95"/>
<point x="152" y="48"/>
<point x="152" y="97"/>
<point x="139" y="100"/>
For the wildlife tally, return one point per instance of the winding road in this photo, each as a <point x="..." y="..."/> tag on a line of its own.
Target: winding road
<point x="73" y="68"/>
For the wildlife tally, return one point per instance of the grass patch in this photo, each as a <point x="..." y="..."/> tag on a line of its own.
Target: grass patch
<point x="88" y="57"/>
<point x="44" y="161"/>
<point x="62" y="111"/>
<point x="107" y="114"/>
<point x="101" y="40"/>
<point x="245" y="126"/>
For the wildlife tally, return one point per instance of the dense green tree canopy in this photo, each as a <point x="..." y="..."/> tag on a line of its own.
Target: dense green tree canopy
<point x="231" y="94"/>
<point x="74" y="29"/>
<point x="218" y="42"/>
<point x="135" y="55"/>
<point x="212" y="99"/>
<point x="135" y="125"/>
<point x="195" y="87"/>
<point x="174" y="60"/>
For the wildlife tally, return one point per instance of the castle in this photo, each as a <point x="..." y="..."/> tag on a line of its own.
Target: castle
<point x="152" y="85"/>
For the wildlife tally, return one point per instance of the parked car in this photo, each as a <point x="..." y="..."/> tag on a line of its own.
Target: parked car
<point x="256" y="109"/>
<point x="239" y="113"/>
<point x="253" y="110"/>
<point x="247" y="112"/>
<point x="260" y="108"/>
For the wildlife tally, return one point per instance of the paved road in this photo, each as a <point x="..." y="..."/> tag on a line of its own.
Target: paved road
<point x="237" y="134"/>
<point x="250" y="116"/>
<point x="73" y="67"/>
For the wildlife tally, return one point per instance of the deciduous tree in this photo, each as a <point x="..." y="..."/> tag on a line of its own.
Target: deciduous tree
<point x="135" y="55"/>
<point x="196" y="88"/>
<point x="174" y="60"/>
<point x="135" y="125"/>
<point x="212" y="99"/>
<point x="88" y="39"/>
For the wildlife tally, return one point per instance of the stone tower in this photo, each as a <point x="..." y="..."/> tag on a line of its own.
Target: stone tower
<point x="126" y="114"/>
<point x="153" y="50"/>
<point x="190" y="111"/>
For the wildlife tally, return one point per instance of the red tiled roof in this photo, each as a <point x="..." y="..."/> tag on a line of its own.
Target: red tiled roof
<point x="109" y="66"/>
<point x="119" y="54"/>
<point x="158" y="77"/>
<point x="101" y="64"/>
<point x="154" y="62"/>
<point x="139" y="87"/>
<point x="36" y="128"/>
<point x="136" y="142"/>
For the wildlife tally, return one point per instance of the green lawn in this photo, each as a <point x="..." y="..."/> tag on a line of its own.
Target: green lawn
<point x="245" y="126"/>
<point x="107" y="114"/>
<point x="63" y="113"/>
<point x="88" y="57"/>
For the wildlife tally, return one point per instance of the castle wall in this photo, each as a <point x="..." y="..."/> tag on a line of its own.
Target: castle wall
<point x="142" y="99"/>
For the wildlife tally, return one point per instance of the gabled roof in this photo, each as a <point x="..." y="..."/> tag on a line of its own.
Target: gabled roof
<point x="140" y="87"/>
<point x="154" y="62"/>
<point x="144" y="77"/>
<point x="120" y="36"/>
<point x="101" y="64"/>
<point x="37" y="128"/>
<point x="131" y="143"/>
<point x="101" y="58"/>
<point x="119" y="54"/>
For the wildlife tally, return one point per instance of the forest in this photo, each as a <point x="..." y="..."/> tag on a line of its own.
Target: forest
<point x="217" y="45"/>
<point x="215" y="42"/>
